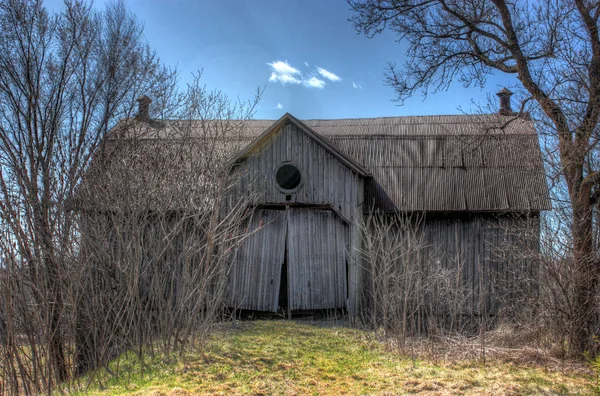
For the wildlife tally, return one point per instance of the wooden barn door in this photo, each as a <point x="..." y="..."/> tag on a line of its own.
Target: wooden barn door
<point x="317" y="243"/>
<point x="256" y="270"/>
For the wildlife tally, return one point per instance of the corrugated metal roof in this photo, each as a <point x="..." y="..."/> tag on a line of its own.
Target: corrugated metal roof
<point x="441" y="125"/>
<point x="422" y="125"/>
<point x="452" y="172"/>
<point x="418" y="163"/>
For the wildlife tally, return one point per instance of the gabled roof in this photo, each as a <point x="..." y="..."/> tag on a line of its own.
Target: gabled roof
<point x="446" y="163"/>
<point x="302" y="127"/>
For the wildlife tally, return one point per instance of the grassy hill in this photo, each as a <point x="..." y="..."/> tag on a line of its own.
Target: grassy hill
<point x="284" y="357"/>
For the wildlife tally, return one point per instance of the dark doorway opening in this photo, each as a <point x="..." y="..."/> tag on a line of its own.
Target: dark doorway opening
<point x="283" y="288"/>
<point x="283" y="282"/>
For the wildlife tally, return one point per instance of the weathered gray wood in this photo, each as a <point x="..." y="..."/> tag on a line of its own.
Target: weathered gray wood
<point x="486" y="245"/>
<point x="256" y="269"/>
<point x="325" y="179"/>
<point x="320" y="242"/>
<point x="317" y="259"/>
<point x="356" y="282"/>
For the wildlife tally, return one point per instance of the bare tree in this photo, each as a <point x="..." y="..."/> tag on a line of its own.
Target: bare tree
<point x="159" y="228"/>
<point x="65" y="80"/>
<point x="553" y="47"/>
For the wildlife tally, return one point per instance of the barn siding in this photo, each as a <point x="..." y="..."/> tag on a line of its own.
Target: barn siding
<point x="493" y="251"/>
<point x="490" y="254"/>
<point x="256" y="269"/>
<point x="326" y="180"/>
<point x="318" y="242"/>
<point x="355" y="262"/>
<point x="472" y="240"/>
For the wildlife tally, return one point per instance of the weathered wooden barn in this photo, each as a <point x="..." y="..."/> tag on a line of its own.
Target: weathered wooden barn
<point x="469" y="177"/>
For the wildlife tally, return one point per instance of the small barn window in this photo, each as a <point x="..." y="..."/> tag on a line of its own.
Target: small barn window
<point x="288" y="177"/>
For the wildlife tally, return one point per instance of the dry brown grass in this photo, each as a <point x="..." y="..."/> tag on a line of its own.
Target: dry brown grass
<point x="292" y="358"/>
<point x="506" y="344"/>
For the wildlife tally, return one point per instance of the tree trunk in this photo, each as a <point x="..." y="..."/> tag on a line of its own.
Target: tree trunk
<point x="584" y="321"/>
<point x="54" y="300"/>
<point x="56" y="344"/>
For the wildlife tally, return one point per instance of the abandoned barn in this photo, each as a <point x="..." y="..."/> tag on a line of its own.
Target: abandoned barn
<point x="468" y="178"/>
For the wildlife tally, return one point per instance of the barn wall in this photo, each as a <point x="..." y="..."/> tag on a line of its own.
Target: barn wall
<point x="326" y="180"/>
<point x="256" y="270"/>
<point x="488" y="256"/>
<point x="317" y="259"/>
<point x="355" y="263"/>
<point x="148" y="255"/>
<point x="493" y="254"/>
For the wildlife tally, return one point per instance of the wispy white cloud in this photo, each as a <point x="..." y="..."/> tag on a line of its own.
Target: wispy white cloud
<point x="355" y="85"/>
<point x="314" y="82"/>
<point x="284" y="73"/>
<point x="278" y="106"/>
<point x="328" y="75"/>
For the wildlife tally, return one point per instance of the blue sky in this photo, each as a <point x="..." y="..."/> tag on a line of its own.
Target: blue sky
<point x="305" y="54"/>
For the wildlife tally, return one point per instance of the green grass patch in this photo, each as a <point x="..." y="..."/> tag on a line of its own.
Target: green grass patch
<point x="285" y="357"/>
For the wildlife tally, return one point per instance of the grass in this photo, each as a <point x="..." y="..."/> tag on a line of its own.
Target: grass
<point x="284" y="357"/>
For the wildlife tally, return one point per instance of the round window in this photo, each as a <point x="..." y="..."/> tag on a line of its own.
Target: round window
<point x="288" y="177"/>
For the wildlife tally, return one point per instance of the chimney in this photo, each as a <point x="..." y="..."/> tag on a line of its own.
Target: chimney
<point x="143" y="109"/>
<point x="504" y="96"/>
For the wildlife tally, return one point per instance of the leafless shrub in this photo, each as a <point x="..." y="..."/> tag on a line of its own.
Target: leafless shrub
<point x="420" y="288"/>
<point x="159" y="230"/>
<point x="409" y="292"/>
<point x="114" y="235"/>
<point x="556" y="310"/>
